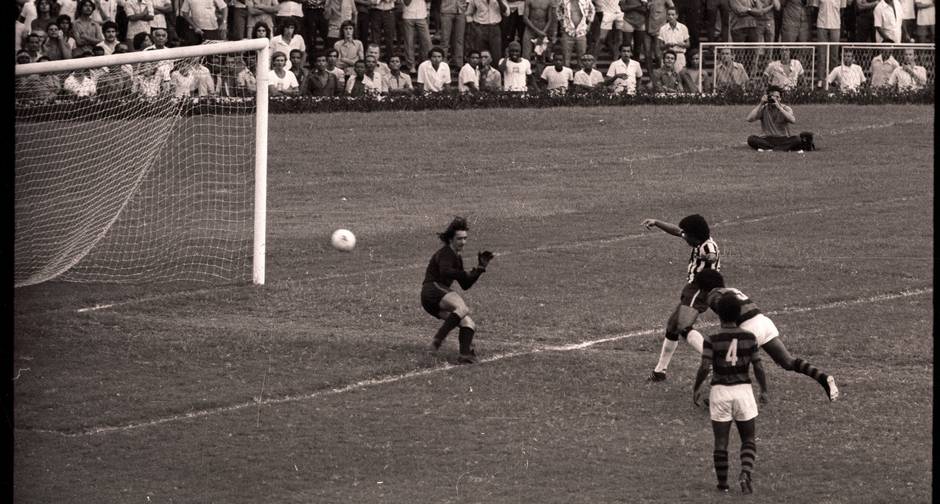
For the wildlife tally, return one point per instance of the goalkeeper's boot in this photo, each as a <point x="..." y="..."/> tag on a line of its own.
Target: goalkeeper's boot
<point x="436" y="344"/>
<point x="746" y="485"/>
<point x="469" y="357"/>
<point x="831" y="390"/>
<point x="656" y="376"/>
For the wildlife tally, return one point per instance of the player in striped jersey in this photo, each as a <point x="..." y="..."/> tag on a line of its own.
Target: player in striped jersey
<point x="711" y="286"/>
<point x="437" y="297"/>
<point x="731" y="352"/>
<point x="694" y="230"/>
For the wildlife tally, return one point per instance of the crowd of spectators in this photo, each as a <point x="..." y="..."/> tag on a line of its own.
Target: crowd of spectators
<point x="367" y="47"/>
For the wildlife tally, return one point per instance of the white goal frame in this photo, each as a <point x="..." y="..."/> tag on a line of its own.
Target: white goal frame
<point x="262" y="47"/>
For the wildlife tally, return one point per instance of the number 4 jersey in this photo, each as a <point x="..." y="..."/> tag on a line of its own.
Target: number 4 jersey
<point x="731" y="352"/>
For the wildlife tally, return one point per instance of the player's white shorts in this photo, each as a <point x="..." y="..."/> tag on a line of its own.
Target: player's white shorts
<point x="732" y="402"/>
<point x="611" y="20"/>
<point x="762" y="327"/>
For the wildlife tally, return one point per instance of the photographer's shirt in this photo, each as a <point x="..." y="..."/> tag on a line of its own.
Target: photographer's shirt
<point x="772" y="122"/>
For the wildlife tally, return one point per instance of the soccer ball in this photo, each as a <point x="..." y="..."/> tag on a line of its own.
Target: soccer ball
<point x="343" y="239"/>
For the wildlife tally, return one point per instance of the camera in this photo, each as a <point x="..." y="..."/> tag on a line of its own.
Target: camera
<point x="771" y="99"/>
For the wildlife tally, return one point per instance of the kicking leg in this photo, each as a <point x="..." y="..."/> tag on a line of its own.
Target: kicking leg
<point x="778" y="352"/>
<point x="748" y="453"/>
<point x="721" y="430"/>
<point x="670" y="343"/>
<point x="678" y="326"/>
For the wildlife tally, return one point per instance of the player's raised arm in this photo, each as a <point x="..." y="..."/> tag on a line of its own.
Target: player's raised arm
<point x="665" y="226"/>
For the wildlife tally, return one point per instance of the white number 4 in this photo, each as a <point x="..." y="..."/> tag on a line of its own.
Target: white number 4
<point x="732" y="355"/>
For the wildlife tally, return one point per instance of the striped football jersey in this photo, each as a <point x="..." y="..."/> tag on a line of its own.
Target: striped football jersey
<point x="697" y="259"/>
<point x="748" y="308"/>
<point x="731" y="352"/>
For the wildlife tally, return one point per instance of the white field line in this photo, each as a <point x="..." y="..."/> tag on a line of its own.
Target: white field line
<point x="540" y="248"/>
<point x="373" y="382"/>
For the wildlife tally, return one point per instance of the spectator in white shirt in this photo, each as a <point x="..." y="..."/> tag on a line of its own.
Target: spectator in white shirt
<point x="926" y="18"/>
<point x="674" y="36"/>
<point x="110" y="31"/>
<point x="587" y="77"/>
<point x="785" y="72"/>
<point x="888" y="22"/>
<point x="910" y="76"/>
<point x="848" y="75"/>
<point x="624" y="73"/>
<point x="433" y="73"/>
<point x="516" y="70"/>
<point x="468" y="80"/>
<point x="557" y="76"/>
<point x="288" y="40"/>
<point x="139" y="15"/>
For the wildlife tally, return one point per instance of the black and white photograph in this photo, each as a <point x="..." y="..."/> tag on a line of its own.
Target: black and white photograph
<point x="471" y="251"/>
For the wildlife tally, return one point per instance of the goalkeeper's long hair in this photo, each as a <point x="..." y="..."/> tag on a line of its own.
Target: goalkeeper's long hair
<point x="458" y="224"/>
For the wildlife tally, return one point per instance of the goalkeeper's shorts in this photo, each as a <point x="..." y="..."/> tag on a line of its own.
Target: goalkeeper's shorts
<point x="431" y="295"/>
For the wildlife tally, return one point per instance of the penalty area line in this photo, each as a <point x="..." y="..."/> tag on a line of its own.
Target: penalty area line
<point x="373" y="382"/>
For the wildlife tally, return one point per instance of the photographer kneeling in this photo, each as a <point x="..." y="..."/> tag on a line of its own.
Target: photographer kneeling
<point x="774" y="117"/>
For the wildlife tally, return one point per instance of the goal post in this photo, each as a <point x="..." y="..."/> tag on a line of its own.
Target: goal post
<point x="143" y="167"/>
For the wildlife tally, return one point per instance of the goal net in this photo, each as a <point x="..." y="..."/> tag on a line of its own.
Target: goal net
<point x="142" y="167"/>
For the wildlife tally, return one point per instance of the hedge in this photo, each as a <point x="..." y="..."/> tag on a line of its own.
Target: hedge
<point x="164" y="106"/>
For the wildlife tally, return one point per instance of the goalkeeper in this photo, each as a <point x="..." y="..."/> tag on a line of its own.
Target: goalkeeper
<point x="437" y="297"/>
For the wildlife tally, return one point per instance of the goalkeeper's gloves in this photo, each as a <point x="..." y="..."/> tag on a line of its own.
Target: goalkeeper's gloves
<point x="484" y="258"/>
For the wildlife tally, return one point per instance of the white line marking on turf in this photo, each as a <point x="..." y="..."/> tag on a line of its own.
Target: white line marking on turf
<point x="540" y="248"/>
<point x="372" y="382"/>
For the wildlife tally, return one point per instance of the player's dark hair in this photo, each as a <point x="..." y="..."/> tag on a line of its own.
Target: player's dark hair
<point x="728" y="307"/>
<point x="708" y="279"/>
<point x="108" y="25"/>
<point x="458" y="224"/>
<point x="771" y="89"/>
<point x="695" y="226"/>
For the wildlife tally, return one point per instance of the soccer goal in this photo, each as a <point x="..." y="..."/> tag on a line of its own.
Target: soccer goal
<point x="809" y="63"/>
<point x="143" y="167"/>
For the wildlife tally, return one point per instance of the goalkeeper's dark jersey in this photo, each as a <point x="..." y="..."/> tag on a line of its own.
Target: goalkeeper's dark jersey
<point x="446" y="266"/>
<point x="748" y="308"/>
<point x="731" y="352"/>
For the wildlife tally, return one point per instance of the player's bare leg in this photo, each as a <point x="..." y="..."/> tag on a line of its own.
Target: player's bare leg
<point x="778" y="352"/>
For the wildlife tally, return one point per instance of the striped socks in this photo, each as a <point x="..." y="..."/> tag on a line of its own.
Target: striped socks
<point x="803" y="367"/>
<point x="721" y="468"/>
<point x="748" y="456"/>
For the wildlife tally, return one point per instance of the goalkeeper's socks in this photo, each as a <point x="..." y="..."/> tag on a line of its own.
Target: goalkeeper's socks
<point x="449" y="324"/>
<point x="669" y="347"/>
<point x="466" y="340"/>
<point x="721" y="467"/>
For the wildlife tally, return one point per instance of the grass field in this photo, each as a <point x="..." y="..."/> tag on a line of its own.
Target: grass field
<point x="318" y="386"/>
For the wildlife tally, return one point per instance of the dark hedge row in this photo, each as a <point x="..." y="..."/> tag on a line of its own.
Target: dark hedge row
<point x="127" y="108"/>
